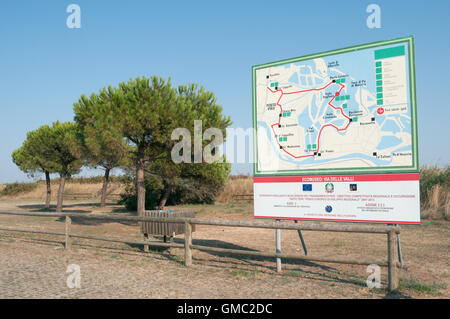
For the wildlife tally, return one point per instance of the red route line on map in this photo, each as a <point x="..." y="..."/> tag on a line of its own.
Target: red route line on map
<point x="320" y="132"/>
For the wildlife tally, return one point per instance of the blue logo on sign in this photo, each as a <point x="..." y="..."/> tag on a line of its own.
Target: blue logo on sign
<point x="307" y="187"/>
<point x="328" y="208"/>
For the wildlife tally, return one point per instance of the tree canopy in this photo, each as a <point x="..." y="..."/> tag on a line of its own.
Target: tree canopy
<point x="99" y="146"/>
<point x="32" y="157"/>
<point x="132" y="124"/>
<point x="59" y="146"/>
<point x="145" y="112"/>
<point x="61" y="141"/>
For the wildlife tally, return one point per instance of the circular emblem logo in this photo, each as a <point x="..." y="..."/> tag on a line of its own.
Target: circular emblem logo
<point x="328" y="208"/>
<point x="329" y="187"/>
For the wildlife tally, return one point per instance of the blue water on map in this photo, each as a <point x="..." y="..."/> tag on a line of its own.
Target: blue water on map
<point x="294" y="78"/>
<point x="319" y="81"/>
<point x="340" y="123"/>
<point x="391" y="126"/>
<point x="303" y="80"/>
<point x="314" y="108"/>
<point x="388" y="141"/>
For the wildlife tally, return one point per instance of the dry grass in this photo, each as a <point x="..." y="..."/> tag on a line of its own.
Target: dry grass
<point x="236" y="185"/>
<point x="435" y="192"/>
<point x="437" y="205"/>
<point x="71" y="187"/>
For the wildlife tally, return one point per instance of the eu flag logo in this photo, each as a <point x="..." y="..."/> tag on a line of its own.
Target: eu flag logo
<point x="307" y="187"/>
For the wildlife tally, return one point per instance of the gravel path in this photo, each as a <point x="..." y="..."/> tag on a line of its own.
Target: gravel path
<point x="37" y="270"/>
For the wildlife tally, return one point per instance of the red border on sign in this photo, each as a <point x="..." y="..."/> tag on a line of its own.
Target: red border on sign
<point x="338" y="178"/>
<point x="342" y="220"/>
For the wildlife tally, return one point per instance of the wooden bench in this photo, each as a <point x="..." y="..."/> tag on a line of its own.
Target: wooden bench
<point x="243" y="197"/>
<point x="165" y="229"/>
<point x="78" y="196"/>
<point x="89" y="195"/>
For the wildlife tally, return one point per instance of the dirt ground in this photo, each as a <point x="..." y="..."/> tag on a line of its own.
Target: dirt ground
<point x="34" y="266"/>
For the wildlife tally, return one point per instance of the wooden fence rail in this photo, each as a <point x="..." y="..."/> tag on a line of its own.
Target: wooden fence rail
<point x="390" y="231"/>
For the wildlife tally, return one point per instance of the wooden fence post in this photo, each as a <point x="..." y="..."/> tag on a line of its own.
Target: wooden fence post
<point x="187" y="243"/>
<point x="68" y="244"/>
<point x="393" y="280"/>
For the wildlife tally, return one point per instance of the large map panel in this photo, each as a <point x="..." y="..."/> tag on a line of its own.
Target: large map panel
<point x="351" y="110"/>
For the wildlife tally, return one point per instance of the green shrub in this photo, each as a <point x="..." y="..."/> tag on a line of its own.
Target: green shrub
<point x="186" y="191"/>
<point x="153" y="192"/>
<point x="192" y="191"/>
<point x="197" y="185"/>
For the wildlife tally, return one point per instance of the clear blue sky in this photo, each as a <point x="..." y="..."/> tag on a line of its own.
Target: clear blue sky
<point x="45" y="66"/>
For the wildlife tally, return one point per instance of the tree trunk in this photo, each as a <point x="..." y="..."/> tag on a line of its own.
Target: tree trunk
<point x="140" y="186"/>
<point x="62" y="182"/>
<point x="105" y="187"/>
<point x="163" y="201"/>
<point x="49" y="190"/>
